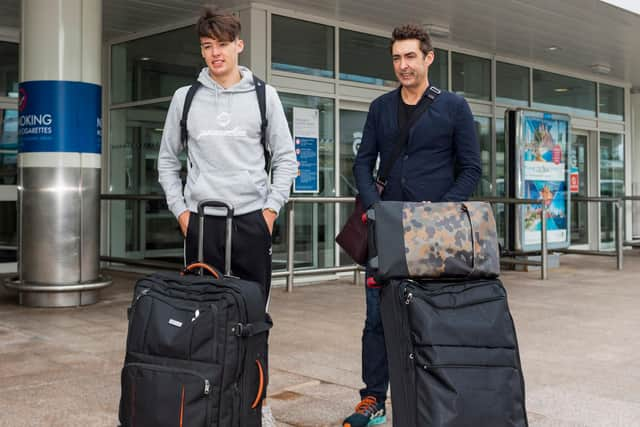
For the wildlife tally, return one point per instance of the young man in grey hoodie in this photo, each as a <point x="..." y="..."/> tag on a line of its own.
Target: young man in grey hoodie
<point x="225" y="155"/>
<point x="226" y="159"/>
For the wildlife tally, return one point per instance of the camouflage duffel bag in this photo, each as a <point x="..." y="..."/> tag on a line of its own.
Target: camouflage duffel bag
<point x="432" y="240"/>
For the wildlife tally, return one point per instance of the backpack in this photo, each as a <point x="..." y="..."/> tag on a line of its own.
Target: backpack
<point x="262" y="101"/>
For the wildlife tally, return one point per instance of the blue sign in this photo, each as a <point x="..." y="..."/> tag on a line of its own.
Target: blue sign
<point x="59" y="116"/>
<point x="307" y="156"/>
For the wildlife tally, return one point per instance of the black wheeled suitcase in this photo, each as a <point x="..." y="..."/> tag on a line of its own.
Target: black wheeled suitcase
<point x="453" y="354"/>
<point x="196" y="348"/>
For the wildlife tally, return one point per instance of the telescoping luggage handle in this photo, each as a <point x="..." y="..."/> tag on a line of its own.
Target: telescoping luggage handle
<point x="227" y="236"/>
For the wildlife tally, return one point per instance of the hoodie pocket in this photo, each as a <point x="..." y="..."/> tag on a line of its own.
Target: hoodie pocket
<point x="237" y="187"/>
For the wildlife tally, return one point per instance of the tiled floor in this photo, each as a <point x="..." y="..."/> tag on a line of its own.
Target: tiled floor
<point x="579" y="337"/>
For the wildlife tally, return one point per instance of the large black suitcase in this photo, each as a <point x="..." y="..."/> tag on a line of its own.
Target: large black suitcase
<point x="196" y="349"/>
<point x="453" y="354"/>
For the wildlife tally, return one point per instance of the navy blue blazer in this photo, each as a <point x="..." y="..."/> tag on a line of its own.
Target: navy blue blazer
<point x="442" y="159"/>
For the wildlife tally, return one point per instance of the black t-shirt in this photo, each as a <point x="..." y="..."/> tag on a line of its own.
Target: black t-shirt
<point x="405" y="111"/>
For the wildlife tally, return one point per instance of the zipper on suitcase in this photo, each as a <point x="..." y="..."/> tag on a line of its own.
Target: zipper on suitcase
<point x="428" y="367"/>
<point x="206" y="389"/>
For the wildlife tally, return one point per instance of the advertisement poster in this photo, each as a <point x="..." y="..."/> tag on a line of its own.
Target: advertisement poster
<point x="543" y="176"/>
<point x="305" y="136"/>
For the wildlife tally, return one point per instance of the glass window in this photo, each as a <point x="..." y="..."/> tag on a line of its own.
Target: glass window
<point x="8" y="230"/>
<point x="314" y="245"/>
<point x="483" y="130"/>
<point x="579" y="210"/>
<point x="365" y="58"/>
<point x="611" y="102"/>
<point x="9" y="69"/>
<point x="8" y="146"/>
<point x="351" y="125"/>
<point x="611" y="180"/>
<point x="141" y="229"/>
<point x="302" y="47"/>
<point x="155" y="66"/>
<point x="471" y="76"/>
<point x="564" y="94"/>
<point x="501" y="171"/>
<point x="439" y="70"/>
<point x="512" y="84"/>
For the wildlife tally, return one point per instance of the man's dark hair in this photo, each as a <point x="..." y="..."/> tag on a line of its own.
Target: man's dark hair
<point x="218" y="25"/>
<point x="412" y="32"/>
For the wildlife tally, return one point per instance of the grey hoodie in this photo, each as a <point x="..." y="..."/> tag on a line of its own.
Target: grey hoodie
<point x="226" y="157"/>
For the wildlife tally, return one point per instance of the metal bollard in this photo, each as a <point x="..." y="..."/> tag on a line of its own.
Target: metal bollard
<point x="544" y="274"/>
<point x="291" y="239"/>
<point x="619" y="233"/>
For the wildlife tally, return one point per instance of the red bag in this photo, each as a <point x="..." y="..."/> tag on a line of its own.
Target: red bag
<point x="353" y="236"/>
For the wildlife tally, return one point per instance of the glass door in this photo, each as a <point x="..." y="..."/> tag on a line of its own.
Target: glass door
<point x="351" y="126"/>
<point x="8" y="187"/>
<point x="611" y="182"/>
<point x="578" y="158"/>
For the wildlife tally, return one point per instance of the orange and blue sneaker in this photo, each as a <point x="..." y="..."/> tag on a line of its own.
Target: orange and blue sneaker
<point x="369" y="412"/>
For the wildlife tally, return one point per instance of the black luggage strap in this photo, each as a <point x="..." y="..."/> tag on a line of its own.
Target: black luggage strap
<point x="184" y="133"/>
<point x="403" y="136"/>
<point x="262" y="105"/>
<point x="252" y="329"/>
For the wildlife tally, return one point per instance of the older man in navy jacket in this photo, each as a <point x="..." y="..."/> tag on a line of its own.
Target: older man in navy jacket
<point x="441" y="162"/>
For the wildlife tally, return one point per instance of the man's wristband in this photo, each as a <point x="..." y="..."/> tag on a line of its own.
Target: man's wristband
<point x="273" y="211"/>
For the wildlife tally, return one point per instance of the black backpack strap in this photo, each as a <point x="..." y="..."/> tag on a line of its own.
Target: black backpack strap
<point x="184" y="133"/>
<point x="261" y="93"/>
<point x="403" y="136"/>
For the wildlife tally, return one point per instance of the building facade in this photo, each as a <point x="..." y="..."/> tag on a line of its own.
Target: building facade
<point x="329" y="61"/>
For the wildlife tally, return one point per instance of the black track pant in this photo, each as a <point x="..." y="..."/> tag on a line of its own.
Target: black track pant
<point x="250" y="246"/>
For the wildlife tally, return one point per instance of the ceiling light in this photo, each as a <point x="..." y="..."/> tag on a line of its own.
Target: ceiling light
<point x="145" y="58"/>
<point x="553" y="48"/>
<point x="601" y="68"/>
<point x="561" y="89"/>
<point x="435" y="30"/>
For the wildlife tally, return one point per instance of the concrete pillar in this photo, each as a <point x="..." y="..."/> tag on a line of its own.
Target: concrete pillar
<point x="59" y="160"/>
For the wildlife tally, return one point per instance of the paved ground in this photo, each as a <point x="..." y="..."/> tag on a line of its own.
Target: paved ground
<point x="579" y="337"/>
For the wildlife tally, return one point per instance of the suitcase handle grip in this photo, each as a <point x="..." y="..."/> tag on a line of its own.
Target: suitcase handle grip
<point x="215" y="273"/>
<point x="227" y="235"/>
<point x="255" y="403"/>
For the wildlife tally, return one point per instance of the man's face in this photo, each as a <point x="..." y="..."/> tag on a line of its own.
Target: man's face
<point x="221" y="56"/>
<point x="409" y="63"/>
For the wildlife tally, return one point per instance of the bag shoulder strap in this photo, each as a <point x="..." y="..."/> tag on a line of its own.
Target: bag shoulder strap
<point x="184" y="133"/>
<point x="403" y="136"/>
<point x="261" y="93"/>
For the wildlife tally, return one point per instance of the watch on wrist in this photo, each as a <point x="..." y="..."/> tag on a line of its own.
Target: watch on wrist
<point x="273" y="211"/>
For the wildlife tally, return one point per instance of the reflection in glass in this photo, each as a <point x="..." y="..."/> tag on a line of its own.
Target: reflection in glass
<point x="564" y="94"/>
<point x="611" y="180"/>
<point x="365" y="58"/>
<point x="154" y="66"/>
<point x="512" y="84"/>
<point x="471" y="76"/>
<point x="302" y="47"/>
<point x="611" y="102"/>
<point x="9" y="69"/>
<point x="579" y="210"/>
<point x="8" y="230"/>
<point x="439" y="69"/>
<point x="351" y="125"/>
<point x="8" y="147"/>
<point x="314" y="246"/>
<point x="483" y="130"/>
<point x="140" y="229"/>
<point x="501" y="171"/>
